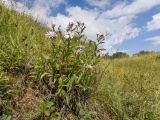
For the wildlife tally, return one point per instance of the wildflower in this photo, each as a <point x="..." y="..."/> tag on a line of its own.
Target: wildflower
<point x="70" y="26"/>
<point x="88" y="66"/>
<point x="80" y="49"/>
<point x="101" y="36"/>
<point x="69" y="35"/>
<point x="102" y="53"/>
<point x="53" y="27"/>
<point x="81" y="24"/>
<point x="50" y="34"/>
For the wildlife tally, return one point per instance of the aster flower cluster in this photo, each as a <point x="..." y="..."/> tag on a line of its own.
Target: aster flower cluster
<point x="73" y="29"/>
<point x="70" y="30"/>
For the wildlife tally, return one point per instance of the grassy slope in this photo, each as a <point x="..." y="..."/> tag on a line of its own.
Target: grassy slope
<point x="20" y="27"/>
<point x="130" y="88"/>
<point x="23" y="50"/>
<point x="22" y="40"/>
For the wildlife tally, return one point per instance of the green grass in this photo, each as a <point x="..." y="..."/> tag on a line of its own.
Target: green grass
<point x="21" y="39"/>
<point x="129" y="88"/>
<point x="125" y="89"/>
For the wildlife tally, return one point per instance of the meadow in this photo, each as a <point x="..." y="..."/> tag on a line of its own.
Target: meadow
<point x="49" y="74"/>
<point x="129" y="89"/>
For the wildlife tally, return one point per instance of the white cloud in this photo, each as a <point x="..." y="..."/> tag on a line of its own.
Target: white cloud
<point x="155" y="23"/>
<point x="155" y="40"/>
<point x="7" y="3"/>
<point x="134" y="8"/>
<point x="119" y="24"/>
<point x="119" y="29"/>
<point x="40" y="9"/>
<point x="98" y="3"/>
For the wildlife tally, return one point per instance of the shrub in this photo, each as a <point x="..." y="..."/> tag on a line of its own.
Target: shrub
<point x="66" y="75"/>
<point x="119" y="55"/>
<point x="143" y="53"/>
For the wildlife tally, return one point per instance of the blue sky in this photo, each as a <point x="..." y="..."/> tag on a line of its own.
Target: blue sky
<point x="133" y="25"/>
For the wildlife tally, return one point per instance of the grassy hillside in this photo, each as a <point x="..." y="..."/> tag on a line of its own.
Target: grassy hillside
<point x="59" y="76"/>
<point x="45" y="74"/>
<point x="129" y="88"/>
<point x="22" y="40"/>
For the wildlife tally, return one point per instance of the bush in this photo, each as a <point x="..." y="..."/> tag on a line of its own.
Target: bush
<point x="66" y="75"/>
<point x="143" y="53"/>
<point x="119" y="55"/>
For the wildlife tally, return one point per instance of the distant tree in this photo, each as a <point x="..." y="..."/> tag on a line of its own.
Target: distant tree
<point x="119" y="55"/>
<point x="143" y="52"/>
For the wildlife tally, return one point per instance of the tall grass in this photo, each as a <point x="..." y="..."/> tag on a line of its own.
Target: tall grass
<point x="130" y="88"/>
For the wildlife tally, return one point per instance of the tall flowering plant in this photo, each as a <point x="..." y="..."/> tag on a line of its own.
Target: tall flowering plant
<point x="67" y="73"/>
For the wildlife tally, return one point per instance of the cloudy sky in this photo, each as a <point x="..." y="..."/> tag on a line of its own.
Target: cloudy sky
<point x="132" y="25"/>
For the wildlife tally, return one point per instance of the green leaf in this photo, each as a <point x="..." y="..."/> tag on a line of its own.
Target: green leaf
<point x="47" y="113"/>
<point x="42" y="106"/>
<point x="44" y="74"/>
<point x="8" y="118"/>
<point x="58" y="66"/>
<point x="67" y="99"/>
<point x="49" y="104"/>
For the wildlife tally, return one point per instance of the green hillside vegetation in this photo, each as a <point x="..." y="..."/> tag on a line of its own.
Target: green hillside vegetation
<point x="59" y="76"/>
<point x="129" y="88"/>
<point x="117" y="55"/>
<point x="44" y="73"/>
<point x="143" y="53"/>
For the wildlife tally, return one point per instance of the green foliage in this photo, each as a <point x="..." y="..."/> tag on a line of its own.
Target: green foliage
<point x="16" y="45"/>
<point x="68" y="72"/>
<point x="5" y="117"/>
<point x="143" y="53"/>
<point x="4" y="85"/>
<point x="119" y="55"/>
<point x="129" y="89"/>
<point x="5" y="94"/>
<point x="44" y="110"/>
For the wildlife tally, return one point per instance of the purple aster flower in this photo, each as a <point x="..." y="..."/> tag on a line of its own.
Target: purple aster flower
<point x="50" y="34"/>
<point x="70" y="26"/>
<point x="69" y="35"/>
